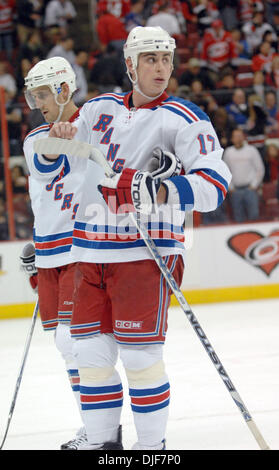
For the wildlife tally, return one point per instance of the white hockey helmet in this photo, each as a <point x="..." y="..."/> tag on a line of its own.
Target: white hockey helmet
<point x="52" y="73"/>
<point x="147" y="39"/>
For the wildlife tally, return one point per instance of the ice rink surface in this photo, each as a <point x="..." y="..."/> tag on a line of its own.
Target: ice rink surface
<point x="203" y="416"/>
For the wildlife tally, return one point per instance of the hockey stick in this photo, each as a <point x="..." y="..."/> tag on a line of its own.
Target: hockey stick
<point x="71" y="147"/>
<point x="18" y="382"/>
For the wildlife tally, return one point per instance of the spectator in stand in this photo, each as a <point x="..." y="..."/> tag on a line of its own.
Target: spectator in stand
<point x="27" y="18"/>
<point x="223" y="125"/>
<point x="257" y="121"/>
<point x="275" y="23"/>
<point x="7" y="21"/>
<point x="269" y="37"/>
<point x="167" y="20"/>
<point x="254" y="30"/>
<point x="255" y="128"/>
<point x="246" y="166"/>
<point x="110" y="30"/>
<point x="245" y="11"/>
<point x="272" y="158"/>
<point x="64" y="49"/>
<point x="135" y="16"/>
<point x="24" y="219"/>
<point x="205" y="15"/>
<point x="118" y="8"/>
<point x="7" y="80"/>
<point x="258" y="86"/>
<point x="226" y="89"/>
<point x="80" y="68"/>
<point x="32" y="49"/>
<point x="93" y="91"/>
<point x="262" y="60"/>
<point x="243" y="50"/>
<point x="238" y="108"/>
<point x="272" y="78"/>
<point x="198" y="95"/>
<point x="228" y="10"/>
<point x="19" y="179"/>
<point x="108" y="72"/>
<point x="218" y="50"/>
<point x="60" y="13"/>
<point x="195" y="71"/>
<point x="182" y="10"/>
<point x="23" y="67"/>
<point x="271" y="109"/>
<point x="14" y="120"/>
<point x="271" y="10"/>
<point x="173" y="86"/>
<point x="52" y="37"/>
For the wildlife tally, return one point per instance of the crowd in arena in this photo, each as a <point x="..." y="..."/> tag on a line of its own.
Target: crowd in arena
<point x="226" y="61"/>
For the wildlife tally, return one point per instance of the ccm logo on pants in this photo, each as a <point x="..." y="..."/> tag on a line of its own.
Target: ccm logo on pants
<point x="128" y="324"/>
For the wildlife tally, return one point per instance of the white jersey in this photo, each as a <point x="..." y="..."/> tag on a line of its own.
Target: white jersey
<point x="53" y="188"/>
<point x="127" y="136"/>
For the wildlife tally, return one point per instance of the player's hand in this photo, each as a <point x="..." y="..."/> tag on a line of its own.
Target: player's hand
<point x="130" y="191"/>
<point x="63" y="130"/>
<point x="164" y="165"/>
<point x="27" y="258"/>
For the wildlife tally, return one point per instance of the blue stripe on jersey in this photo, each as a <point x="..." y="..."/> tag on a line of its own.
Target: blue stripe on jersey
<point x="107" y="98"/>
<point x="185" y="191"/>
<point x="128" y="230"/>
<point x="215" y="176"/>
<point x="50" y="167"/>
<point x="179" y="113"/>
<point x="191" y="106"/>
<point x="36" y="131"/>
<point x="105" y="245"/>
<point x="55" y="236"/>
<point x="186" y="109"/>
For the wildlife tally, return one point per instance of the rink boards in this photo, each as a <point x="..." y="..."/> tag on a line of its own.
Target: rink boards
<point x="224" y="263"/>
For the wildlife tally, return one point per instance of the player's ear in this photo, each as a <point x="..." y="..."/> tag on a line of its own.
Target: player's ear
<point x="129" y="65"/>
<point x="65" y="90"/>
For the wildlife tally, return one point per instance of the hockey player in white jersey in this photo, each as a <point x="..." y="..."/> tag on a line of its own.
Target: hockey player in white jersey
<point x="121" y="298"/>
<point x="50" y="85"/>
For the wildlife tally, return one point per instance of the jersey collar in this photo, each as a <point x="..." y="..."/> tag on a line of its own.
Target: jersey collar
<point x="151" y="104"/>
<point x="71" y="119"/>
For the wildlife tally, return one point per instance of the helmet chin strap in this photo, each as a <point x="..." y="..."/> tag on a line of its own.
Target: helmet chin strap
<point x="137" y="88"/>
<point x="61" y="107"/>
<point x="151" y="98"/>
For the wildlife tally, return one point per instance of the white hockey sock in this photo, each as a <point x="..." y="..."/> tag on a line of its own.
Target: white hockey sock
<point x="73" y="375"/>
<point x="150" y="406"/>
<point x="101" y="406"/>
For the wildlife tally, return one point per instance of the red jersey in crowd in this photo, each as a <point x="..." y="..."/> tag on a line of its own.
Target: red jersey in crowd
<point x="118" y="8"/>
<point x="110" y="28"/>
<point x="218" y="49"/>
<point x="7" y="13"/>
